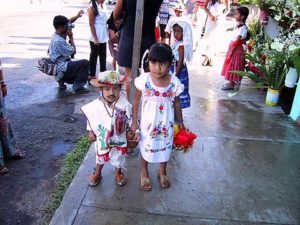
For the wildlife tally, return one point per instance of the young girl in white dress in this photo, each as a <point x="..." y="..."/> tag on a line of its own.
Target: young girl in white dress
<point x="159" y="92"/>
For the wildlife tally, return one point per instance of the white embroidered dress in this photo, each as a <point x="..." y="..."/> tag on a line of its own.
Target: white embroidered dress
<point x="157" y="117"/>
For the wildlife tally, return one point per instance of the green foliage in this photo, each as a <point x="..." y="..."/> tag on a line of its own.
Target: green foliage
<point x="72" y="162"/>
<point x="274" y="70"/>
<point x="255" y="27"/>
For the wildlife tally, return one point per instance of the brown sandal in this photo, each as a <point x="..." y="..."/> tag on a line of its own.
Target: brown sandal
<point x="94" y="180"/>
<point x="164" y="181"/>
<point x="146" y="184"/>
<point x="120" y="179"/>
<point x="3" y="169"/>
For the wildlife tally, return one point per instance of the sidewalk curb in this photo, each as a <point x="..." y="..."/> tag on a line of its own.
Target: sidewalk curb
<point x="67" y="211"/>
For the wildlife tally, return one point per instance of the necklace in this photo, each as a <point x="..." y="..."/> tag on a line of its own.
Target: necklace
<point x="112" y="106"/>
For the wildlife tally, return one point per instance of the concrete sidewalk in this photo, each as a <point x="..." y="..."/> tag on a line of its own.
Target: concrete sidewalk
<point x="243" y="169"/>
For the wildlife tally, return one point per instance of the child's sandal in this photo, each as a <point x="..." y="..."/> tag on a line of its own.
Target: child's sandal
<point x="94" y="180"/>
<point x="146" y="184"/>
<point x="164" y="181"/>
<point x="120" y="179"/>
<point x="3" y="169"/>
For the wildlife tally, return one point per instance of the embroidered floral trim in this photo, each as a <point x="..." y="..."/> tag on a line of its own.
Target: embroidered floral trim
<point x="159" y="131"/>
<point x="150" y="91"/>
<point x="155" y="150"/>
<point x="161" y="108"/>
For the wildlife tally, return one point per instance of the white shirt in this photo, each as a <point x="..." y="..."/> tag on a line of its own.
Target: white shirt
<point x="239" y="31"/>
<point x="100" y="24"/>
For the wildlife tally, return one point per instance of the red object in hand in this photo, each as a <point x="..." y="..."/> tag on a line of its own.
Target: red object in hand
<point x="184" y="138"/>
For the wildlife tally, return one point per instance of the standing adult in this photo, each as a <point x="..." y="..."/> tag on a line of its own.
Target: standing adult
<point x="97" y="13"/>
<point x="8" y="148"/>
<point x="212" y="9"/>
<point x="164" y="15"/>
<point x="127" y="34"/>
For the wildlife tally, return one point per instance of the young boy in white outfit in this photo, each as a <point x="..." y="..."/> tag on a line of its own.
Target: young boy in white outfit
<point x="108" y="119"/>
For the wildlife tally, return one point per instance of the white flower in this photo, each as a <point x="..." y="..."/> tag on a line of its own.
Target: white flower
<point x="277" y="17"/>
<point x="277" y="46"/>
<point x="297" y="32"/>
<point x="293" y="48"/>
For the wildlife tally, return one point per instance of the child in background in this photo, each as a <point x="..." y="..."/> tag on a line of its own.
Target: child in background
<point x="182" y="49"/>
<point x="160" y="104"/>
<point x="108" y="118"/>
<point x="235" y="57"/>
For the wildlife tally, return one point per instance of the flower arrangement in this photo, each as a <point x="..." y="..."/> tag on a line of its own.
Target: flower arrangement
<point x="183" y="139"/>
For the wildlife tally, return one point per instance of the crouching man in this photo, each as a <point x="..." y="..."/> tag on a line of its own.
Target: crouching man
<point x="60" y="51"/>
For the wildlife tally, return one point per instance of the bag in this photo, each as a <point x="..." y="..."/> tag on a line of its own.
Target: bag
<point x="47" y="66"/>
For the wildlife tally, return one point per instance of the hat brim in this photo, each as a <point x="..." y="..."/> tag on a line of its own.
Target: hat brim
<point x="98" y="84"/>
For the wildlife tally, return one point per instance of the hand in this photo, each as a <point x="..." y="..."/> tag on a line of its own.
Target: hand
<point x="4" y="90"/>
<point x="80" y="13"/>
<point x="134" y="127"/>
<point x="70" y="34"/>
<point x="96" y="42"/>
<point x="137" y="137"/>
<point x="213" y="18"/>
<point x="92" y="136"/>
<point x="181" y="126"/>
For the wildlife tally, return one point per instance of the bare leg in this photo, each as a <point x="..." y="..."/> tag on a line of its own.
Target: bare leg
<point x="98" y="170"/>
<point x="128" y="73"/>
<point x="145" y="181"/>
<point x="114" y="64"/>
<point x="163" y="168"/>
<point x="163" y="178"/>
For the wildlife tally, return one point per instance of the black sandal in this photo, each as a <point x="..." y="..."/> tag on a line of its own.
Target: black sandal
<point x="20" y="154"/>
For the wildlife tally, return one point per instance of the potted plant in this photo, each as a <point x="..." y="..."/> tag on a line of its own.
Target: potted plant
<point x="264" y="6"/>
<point x="272" y="69"/>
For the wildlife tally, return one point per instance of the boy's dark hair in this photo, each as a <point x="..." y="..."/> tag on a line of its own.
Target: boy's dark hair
<point x="244" y="11"/>
<point x="160" y="52"/>
<point x="60" y="21"/>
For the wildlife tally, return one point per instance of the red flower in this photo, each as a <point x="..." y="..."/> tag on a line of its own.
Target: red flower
<point x="250" y="48"/>
<point x="263" y="57"/>
<point x="290" y="13"/>
<point x="161" y="107"/>
<point x="157" y="93"/>
<point x="164" y="94"/>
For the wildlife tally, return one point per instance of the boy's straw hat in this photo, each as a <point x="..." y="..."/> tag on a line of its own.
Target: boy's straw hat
<point x="108" y="78"/>
<point x="179" y="7"/>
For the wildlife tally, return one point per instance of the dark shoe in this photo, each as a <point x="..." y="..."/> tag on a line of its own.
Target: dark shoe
<point x="82" y="90"/>
<point x="62" y="85"/>
<point x="227" y="87"/>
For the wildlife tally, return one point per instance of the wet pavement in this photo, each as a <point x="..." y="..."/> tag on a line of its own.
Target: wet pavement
<point x="243" y="169"/>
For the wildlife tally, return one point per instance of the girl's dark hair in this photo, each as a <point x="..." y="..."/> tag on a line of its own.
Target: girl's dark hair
<point x="160" y="52"/>
<point x="214" y="2"/>
<point x="244" y="11"/>
<point x="94" y="4"/>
